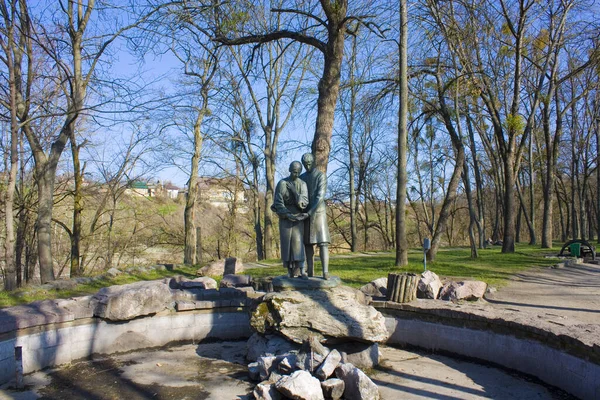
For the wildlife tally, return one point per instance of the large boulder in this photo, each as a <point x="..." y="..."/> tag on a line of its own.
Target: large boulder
<point x="465" y="290"/>
<point x="336" y="313"/>
<point x="300" y="385"/>
<point x="125" y="302"/>
<point x="358" y="386"/>
<point x="429" y="285"/>
<point x="376" y="288"/>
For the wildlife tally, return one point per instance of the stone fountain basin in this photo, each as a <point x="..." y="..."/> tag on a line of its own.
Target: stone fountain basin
<point x="53" y="334"/>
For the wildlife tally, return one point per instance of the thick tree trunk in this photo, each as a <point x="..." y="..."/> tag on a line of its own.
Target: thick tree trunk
<point x="329" y="86"/>
<point x="45" y="182"/>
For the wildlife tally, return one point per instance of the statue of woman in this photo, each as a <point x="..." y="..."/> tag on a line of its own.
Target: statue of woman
<point x="291" y="198"/>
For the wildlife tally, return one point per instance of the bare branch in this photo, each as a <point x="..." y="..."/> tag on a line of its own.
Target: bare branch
<point x="273" y="36"/>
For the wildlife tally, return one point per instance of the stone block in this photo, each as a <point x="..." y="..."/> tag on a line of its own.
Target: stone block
<point x="185" y="305"/>
<point x="429" y="285"/>
<point x="465" y="290"/>
<point x="235" y="281"/>
<point x="300" y="385"/>
<point x="266" y="391"/>
<point x="358" y="386"/>
<point x="125" y="302"/>
<point x="329" y="365"/>
<point x="333" y="389"/>
<point x="233" y="266"/>
<point x="361" y="355"/>
<point x="376" y="288"/>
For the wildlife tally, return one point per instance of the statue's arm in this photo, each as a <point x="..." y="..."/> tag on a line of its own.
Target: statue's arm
<point x="303" y="196"/>
<point x="320" y="190"/>
<point x="278" y="206"/>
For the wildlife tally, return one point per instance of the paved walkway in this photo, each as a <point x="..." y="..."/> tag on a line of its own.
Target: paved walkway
<point x="569" y="295"/>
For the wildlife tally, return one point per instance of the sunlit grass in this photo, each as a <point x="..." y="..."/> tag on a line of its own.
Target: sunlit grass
<point x="29" y="294"/>
<point x="355" y="270"/>
<point x="492" y="266"/>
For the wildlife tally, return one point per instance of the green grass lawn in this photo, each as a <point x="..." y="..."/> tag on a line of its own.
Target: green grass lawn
<point x="29" y="294"/>
<point x="492" y="266"/>
<point x="355" y="270"/>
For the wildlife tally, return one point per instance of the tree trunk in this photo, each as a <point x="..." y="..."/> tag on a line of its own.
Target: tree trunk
<point x="75" y="236"/>
<point x="10" y="277"/>
<point x="402" y="178"/>
<point x="199" y="249"/>
<point x="471" y="205"/>
<point x="597" y="133"/>
<point x="189" y="215"/>
<point x="480" y="221"/>
<point x="518" y="227"/>
<point x="270" y="180"/>
<point x="329" y="86"/>
<point x="508" y="243"/>
<point x="532" y="236"/>
<point x="45" y="182"/>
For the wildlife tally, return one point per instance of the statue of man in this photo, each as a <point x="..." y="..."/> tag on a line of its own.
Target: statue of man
<point x="316" y="231"/>
<point x="291" y="198"/>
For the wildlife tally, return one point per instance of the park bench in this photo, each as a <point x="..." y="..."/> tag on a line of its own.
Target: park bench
<point x="578" y="248"/>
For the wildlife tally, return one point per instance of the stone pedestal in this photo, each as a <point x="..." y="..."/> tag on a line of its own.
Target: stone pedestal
<point x="281" y="283"/>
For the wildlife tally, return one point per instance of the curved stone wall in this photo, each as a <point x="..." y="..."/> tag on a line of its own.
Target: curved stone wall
<point x="558" y="360"/>
<point x="49" y="337"/>
<point x="55" y="344"/>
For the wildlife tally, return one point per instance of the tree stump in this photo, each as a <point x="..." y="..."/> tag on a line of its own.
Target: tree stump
<point x="402" y="288"/>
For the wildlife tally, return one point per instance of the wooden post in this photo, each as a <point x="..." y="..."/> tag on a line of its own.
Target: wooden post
<point x="402" y="288"/>
<point x="19" y="367"/>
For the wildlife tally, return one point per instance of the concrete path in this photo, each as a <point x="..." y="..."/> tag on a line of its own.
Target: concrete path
<point x="570" y="294"/>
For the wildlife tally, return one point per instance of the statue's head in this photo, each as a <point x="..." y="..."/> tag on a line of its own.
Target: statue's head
<point x="309" y="161"/>
<point x="295" y="169"/>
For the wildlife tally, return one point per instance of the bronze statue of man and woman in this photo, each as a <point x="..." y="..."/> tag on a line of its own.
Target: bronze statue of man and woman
<point x="300" y="205"/>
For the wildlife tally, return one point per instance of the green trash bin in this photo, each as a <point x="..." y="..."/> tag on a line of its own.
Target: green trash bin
<point x="575" y="249"/>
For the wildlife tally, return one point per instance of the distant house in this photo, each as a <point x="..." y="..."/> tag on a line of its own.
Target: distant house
<point x="220" y="192"/>
<point x="171" y="191"/>
<point x="145" y="189"/>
